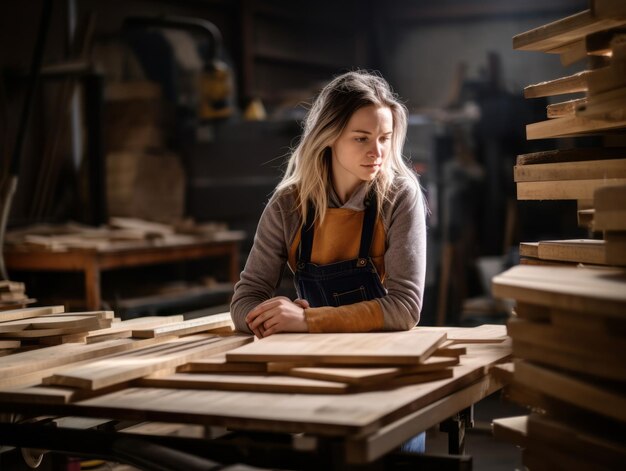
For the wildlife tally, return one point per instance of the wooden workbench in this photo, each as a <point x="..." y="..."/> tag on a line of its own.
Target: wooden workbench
<point x="92" y="262"/>
<point x="360" y="428"/>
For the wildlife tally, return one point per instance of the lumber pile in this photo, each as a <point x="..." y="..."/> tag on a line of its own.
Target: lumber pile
<point x="569" y="329"/>
<point x="13" y="295"/>
<point x="592" y="176"/>
<point x="120" y="233"/>
<point x="199" y="355"/>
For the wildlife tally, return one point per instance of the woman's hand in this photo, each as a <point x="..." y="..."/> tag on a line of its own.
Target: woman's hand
<point x="278" y="314"/>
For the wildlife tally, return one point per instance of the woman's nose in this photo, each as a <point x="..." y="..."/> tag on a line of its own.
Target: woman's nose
<point x="376" y="149"/>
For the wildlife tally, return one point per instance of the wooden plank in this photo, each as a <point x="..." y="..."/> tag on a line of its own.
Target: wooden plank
<point x="591" y="251"/>
<point x="218" y="364"/>
<point x="563" y="31"/>
<point x="588" y="290"/>
<point x="424" y="377"/>
<point x="572" y="126"/>
<point x="565" y="108"/>
<point x="584" y="170"/>
<point x="327" y="415"/>
<point x="450" y="350"/>
<point x="575" y="154"/>
<point x="611" y="104"/>
<point x="35" y="361"/>
<point x="164" y="429"/>
<point x="595" y="397"/>
<point x="354" y="376"/>
<point x="365" y="376"/>
<point x="607" y="347"/>
<point x="584" y="364"/>
<point x="124" y="329"/>
<point x="511" y="429"/>
<point x="606" y="78"/>
<point x="486" y="333"/>
<point x="358" y="348"/>
<point x="10" y="344"/>
<point x="244" y="382"/>
<point x="529" y="249"/>
<point x="161" y="358"/>
<point x="563" y="189"/>
<point x="572" y="52"/>
<point x="38" y="333"/>
<point x="50" y="322"/>
<point x="17" y="314"/>
<point x="570" y="84"/>
<point x="193" y="326"/>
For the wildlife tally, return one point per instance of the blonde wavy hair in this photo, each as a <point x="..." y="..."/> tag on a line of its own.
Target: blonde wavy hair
<point x="309" y="167"/>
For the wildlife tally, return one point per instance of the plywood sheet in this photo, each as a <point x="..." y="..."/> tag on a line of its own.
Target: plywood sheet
<point x="355" y="348"/>
<point x="589" y="290"/>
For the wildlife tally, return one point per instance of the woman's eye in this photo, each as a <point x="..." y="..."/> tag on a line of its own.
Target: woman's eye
<point x="360" y="139"/>
<point x="385" y="139"/>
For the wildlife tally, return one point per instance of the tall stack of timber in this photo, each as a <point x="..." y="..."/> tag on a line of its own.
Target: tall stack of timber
<point x="569" y="334"/>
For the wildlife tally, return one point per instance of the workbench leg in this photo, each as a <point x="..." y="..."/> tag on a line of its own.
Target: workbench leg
<point x="92" y="287"/>
<point x="455" y="427"/>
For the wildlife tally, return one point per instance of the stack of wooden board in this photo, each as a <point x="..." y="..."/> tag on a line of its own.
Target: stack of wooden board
<point x="118" y="234"/>
<point x="569" y="333"/>
<point x="578" y="173"/>
<point x="569" y="345"/>
<point x="260" y="384"/>
<point x="37" y="327"/>
<point x="40" y="326"/>
<point x="13" y="295"/>
<point x="286" y="363"/>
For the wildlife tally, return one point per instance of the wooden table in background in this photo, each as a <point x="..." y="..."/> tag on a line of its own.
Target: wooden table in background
<point x="92" y="262"/>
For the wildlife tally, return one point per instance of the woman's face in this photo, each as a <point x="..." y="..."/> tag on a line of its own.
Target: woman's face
<point x="360" y="150"/>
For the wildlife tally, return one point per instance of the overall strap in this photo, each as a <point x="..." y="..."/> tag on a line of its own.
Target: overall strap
<point x="306" y="236"/>
<point x="367" y="231"/>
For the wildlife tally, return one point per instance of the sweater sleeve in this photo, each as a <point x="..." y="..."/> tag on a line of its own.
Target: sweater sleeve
<point x="264" y="266"/>
<point x="405" y="266"/>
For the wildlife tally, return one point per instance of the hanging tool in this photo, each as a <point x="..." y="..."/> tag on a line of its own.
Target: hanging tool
<point x="216" y="82"/>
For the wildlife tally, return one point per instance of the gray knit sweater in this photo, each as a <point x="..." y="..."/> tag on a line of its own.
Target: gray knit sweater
<point x="403" y="216"/>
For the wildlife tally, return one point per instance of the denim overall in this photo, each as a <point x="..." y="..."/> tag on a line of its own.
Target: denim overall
<point x="339" y="283"/>
<point x="346" y="282"/>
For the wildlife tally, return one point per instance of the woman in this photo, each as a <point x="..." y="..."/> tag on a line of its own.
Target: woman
<point x="348" y="218"/>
